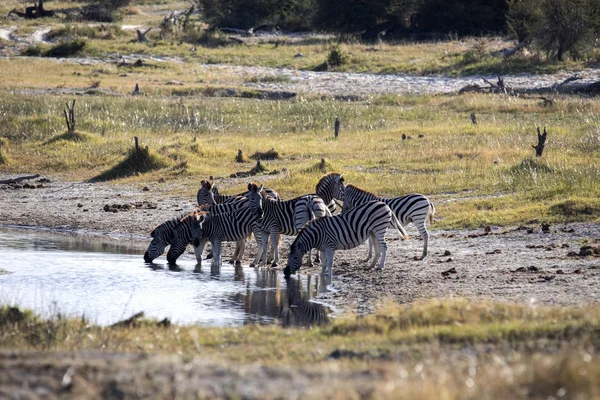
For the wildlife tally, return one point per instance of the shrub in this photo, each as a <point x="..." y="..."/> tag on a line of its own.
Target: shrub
<point x="65" y="49"/>
<point x="336" y="56"/>
<point x="557" y="27"/>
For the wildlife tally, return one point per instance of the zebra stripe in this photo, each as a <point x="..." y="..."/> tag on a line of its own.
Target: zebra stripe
<point x="415" y="208"/>
<point x="208" y="194"/>
<point x="234" y="226"/>
<point x="330" y="187"/>
<point x="345" y="231"/>
<point x="285" y="218"/>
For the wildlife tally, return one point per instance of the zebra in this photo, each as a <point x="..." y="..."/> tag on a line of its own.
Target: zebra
<point x="200" y="228"/>
<point x="284" y="218"/>
<point x="208" y="193"/>
<point x="163" y="234"/>
<point x="161" y="238"/>
<point x="342" y="232"/>
<point x="415" y="208"/>
<point x="330" y="188"/>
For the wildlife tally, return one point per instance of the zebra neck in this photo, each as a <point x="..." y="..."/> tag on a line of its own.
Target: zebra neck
<point x="365" y="195"/>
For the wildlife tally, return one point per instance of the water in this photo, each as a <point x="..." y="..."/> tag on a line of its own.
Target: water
<point x="107" y="281"/>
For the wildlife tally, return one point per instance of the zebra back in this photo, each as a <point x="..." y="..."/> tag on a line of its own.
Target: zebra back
<point x="407" y="208"/>
<point x="231" y="226"/>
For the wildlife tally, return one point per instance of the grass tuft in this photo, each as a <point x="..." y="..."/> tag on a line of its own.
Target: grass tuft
<point x="322" y="166"/>
<point x="66" y="48"/>
<point x="577" y="209"/>
<point x="136" y="162"/>
<point x="71" y="137"/>
<point x="4" y="159"/>
<point x="268" y="155"/>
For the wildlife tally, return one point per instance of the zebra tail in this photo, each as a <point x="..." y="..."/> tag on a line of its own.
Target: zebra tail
<point x="431" y="212"/>
<point x="399" y="226"/>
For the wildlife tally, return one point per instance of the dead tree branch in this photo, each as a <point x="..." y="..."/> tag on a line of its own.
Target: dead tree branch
<point x="539" y="148"/>
<point x="141" y="36"/>
<point x="19" y="179"/>
<point x="70" y="117"/>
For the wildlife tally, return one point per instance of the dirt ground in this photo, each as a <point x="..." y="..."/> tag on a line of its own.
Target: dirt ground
<point x="523" y="264"/>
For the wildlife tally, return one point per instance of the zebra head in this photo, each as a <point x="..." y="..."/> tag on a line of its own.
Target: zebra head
<point x="294" y="260"/>
<point x="184" y="233"/>
<point x="205" y="194"/>
<point x="255" y="198"/>
<point x="329" y="186"/>
<point x="161" y="238"/>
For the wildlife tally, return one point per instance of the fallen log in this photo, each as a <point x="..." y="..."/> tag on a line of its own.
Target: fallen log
<point x="19" y="179"/>
<point x="129" y="321"/>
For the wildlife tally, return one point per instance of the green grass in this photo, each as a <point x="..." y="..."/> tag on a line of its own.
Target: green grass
<point x="476" y="175"/>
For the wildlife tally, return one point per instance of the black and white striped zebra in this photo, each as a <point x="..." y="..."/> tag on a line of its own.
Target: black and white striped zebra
<point x="161" y="238"/>
<point x="342" y="232"/>
<point x="208" y="194"/>
<point x="163" y="234"/>
<point x="286" y="218"/>
<point x="200" y="228"/>
<point x="330" y="188"/>
<point x="301" y="311"/>
<point x="415" y="208"/>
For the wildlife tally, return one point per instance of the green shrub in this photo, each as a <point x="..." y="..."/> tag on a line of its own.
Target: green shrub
<point x="336" y="56"/>
<point x="65" y="49"/>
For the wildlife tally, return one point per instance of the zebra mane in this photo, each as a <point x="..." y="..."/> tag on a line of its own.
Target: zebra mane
<point x="168" y="225"/>
<point x="329" y="175"/>
<point x="361" y="190"/>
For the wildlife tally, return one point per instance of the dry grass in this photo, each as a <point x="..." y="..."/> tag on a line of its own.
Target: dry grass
<point x="476" y="175"/>
<point x="435" y="349"/>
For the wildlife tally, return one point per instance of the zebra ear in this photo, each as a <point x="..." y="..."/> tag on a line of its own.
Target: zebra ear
<point x="342" y="179"/>
<point x="260" y="188"/>
<point x="250" y="186"/>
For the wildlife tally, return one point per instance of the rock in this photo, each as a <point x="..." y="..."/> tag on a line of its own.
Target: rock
<point x="531" y="268"/>
<point x="546" y="228"/>
<point x="559" y="272"/>
<point x="450" y="271"/>
<point x="145" y="189"/>
<point x="106" y="207"/>
<point x="161" y="180"/>
<point x="578" y="271"/>
<point x="447" y="253"/>
<point x="487" y="229"/>
<point x="79" y="205"/>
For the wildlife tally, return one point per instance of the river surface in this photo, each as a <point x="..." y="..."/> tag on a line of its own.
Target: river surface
<point x="107" y="281"/>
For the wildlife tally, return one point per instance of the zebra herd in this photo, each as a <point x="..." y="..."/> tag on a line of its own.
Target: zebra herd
<point x="260" y="211"/>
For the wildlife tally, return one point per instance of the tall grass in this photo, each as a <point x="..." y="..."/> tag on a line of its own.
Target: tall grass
<point x="490" y="167"/>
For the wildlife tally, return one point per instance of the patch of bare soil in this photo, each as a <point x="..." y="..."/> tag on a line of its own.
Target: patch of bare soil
<point x="542" y="265"/>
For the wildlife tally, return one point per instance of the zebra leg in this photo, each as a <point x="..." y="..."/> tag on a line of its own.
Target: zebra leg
<point x="324" y="263"/>
<point x="329" y="261"/>
<point x="242" y="248"/>
<point x="370" y="253"/>
<point x="199" y="249"/>
<point x="275" y="237"/>
<point x="376" y="243"/>
<point x="265" y="241"/>
<point x="259" y="250"/>
<point x="383" y="246"/>
<point x="235" y="252"/>
<point x="309" y="259"/>
<point x="216" y="262"/>
<point x="420" y="224"/>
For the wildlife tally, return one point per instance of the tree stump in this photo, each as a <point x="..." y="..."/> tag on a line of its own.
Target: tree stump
<point x="539" y="148"/>
<point x="336" y="127"/>
<point x="141" y="36"/>
<point x="70" y="117"/>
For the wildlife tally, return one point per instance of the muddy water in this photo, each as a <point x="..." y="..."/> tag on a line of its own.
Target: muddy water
<point x="107" y="281"/>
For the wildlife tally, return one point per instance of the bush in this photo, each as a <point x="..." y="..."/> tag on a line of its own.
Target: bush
<point x="557" y="27"/>
<point x="65" y="49"/>
<point x="336" y="56"/>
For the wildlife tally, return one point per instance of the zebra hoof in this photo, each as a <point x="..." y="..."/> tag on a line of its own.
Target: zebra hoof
<point x="238" y="263"/>
<point x="231" y="261"/>
<point x="252" y="265"/>
<point x="309" y="264"/>
<point x="274" y="265"/>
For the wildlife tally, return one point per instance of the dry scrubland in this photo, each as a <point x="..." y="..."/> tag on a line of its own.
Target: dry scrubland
<point x="477" y="175"/>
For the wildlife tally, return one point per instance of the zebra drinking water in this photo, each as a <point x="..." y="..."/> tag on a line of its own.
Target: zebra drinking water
<point x="342" y="232"/>
<point x="200" y="228"/>
<point x="284" y="217"/>
<point x="415" y="208"/>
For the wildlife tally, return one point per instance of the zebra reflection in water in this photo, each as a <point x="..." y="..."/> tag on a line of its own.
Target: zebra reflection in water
<point x="290" y="306"/>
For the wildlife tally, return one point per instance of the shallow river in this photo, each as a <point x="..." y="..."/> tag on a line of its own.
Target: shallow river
<point x="107" y="281"/>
